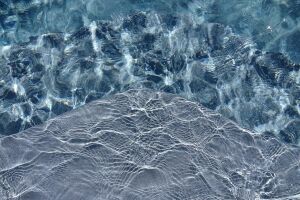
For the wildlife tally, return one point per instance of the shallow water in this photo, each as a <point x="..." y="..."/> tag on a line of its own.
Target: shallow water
<point x="145" y="145"/>
<point x="58" y="55"/>
<point x="186" y="99"/>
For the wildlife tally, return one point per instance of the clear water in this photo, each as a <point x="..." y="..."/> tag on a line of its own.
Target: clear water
<point x="238" y="58"/>
<point x="146" y="145"/>
<point x="187" y="99"/>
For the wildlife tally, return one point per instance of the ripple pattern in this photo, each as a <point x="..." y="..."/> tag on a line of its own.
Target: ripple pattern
<point x="146" y="145"/>
<point x="206" y="62"/>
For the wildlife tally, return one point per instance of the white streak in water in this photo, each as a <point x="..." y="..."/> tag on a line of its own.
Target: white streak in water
<point x="96" y="44"/>
<point x="18" y="88"/>
<point x="169" y="79"/>
<point x="4" y="51"/>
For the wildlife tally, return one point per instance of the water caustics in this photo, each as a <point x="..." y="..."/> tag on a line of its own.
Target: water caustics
<point x="220" y="59"/>
<point x="180" y="52"/>
<point x="146" y="145"/>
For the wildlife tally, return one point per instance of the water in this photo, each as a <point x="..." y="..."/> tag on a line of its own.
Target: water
<point x="272" y="24"/>
<point x="146" y="145"/>
<point x="222" y="60"/>
<point x="58" y="55"/>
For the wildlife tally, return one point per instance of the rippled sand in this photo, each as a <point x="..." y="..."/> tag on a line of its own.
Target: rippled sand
<point x="145" y="145"/>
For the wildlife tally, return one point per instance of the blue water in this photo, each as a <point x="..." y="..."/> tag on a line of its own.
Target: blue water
<point x="143" y="100"/>
<point x="238" y="58"/>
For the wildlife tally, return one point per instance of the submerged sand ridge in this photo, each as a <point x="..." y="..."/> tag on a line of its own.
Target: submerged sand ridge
<point x="145" y="145"/>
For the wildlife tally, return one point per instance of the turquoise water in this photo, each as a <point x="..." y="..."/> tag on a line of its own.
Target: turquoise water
<point x="239" y="58"/>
